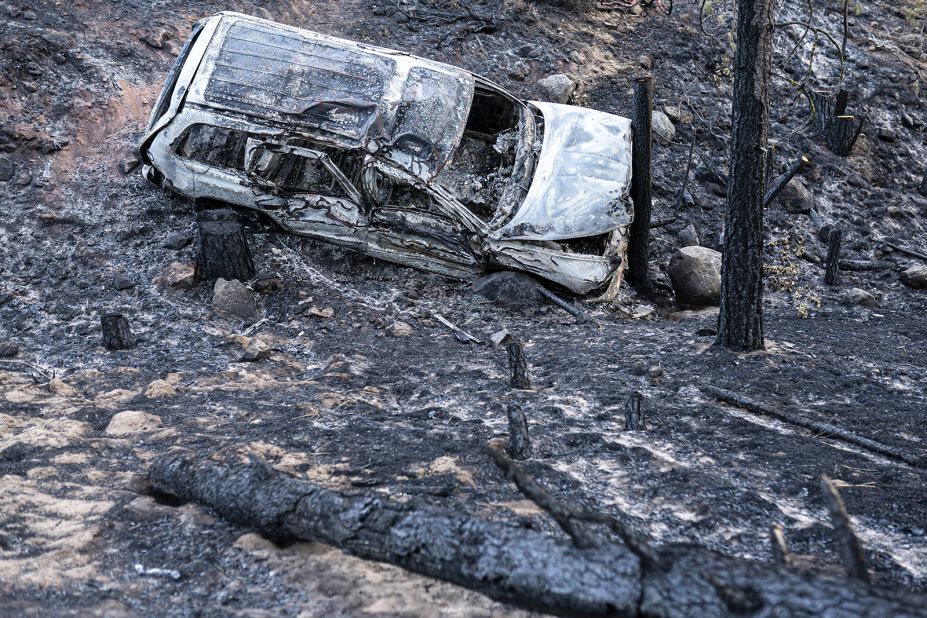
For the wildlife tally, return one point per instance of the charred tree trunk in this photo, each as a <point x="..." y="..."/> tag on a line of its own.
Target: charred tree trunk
<point x="519" y="442"/>
<point x="511" y="563"/>
<point x="740" y="321"/>
<point x="223" y="247"/>
<point x="117" y="335"/>
<point x="518" y="365"/>
<point x="639" y="241"/>
<point x="832" y="264"/>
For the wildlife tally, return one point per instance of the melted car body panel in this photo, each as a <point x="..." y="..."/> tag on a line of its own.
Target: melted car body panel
<point x="403" y="158"/>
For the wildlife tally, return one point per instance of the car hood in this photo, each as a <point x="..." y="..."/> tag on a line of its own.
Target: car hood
<point x="582" y="178"/>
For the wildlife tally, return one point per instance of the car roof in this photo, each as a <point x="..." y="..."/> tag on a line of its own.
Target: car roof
<point x="354" y="92"/>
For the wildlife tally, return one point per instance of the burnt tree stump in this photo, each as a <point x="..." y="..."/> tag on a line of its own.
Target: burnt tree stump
<point x="633" y="415"/>
<point x="839" y="129"/>
<point x="518" y="365"/>
<point x="224" y="249"/>
<point x="116" y="332"/>
<point x="641" y="154"/>
<point x="854" y="561"/>
<point x="832" y="264"/>
<point x="519" y="446"/>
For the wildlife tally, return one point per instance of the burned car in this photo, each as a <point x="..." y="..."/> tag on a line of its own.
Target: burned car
<point x="399" y="157"/>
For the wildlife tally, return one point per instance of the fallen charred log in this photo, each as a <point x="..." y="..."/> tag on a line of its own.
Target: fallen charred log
<point x="825" y="429"/>
<point x="517" y="565"/>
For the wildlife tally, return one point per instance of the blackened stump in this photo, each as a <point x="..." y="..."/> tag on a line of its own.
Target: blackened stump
<point x="223" y="247"/>
<point x="740" y="320"/>
<point x="519" y="443"/>
<point x="854" y="561"/>
<point x="832" y="264"/>
<point x="116" y="332"/>
<point x="641" y="147"/>
<point x="633" y="415"/>
<point x="518" y="365"/>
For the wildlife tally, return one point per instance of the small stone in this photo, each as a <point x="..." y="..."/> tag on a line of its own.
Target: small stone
<point x="796" y="197"/>
<point x="887" y="134"/>
<point x="696" y="276"/>
<point x="177" y="241"/>
<point x="30" y="15"/>
<point x="326" y="313"/>
<point x="637" y="10"/>
<point x="509" y="289"/>
<point x="177" y="275"/>
<point x="646" y="61"/>
<point x="500" y="337"/>
<point x="129" y="163"/>
<point x="557" y="88"/>
<point x="688" y="236"/>
<point x="123" y="282"/>
<point x="233" y="300"/>
<point x="857" y="296"/>
<point x="256" y="350"/>
<point x="8" y="349"/>
<point x="132" y="422"/>
<point x="265" y="284"/>
<point x="663" y="128"/>
<point x="915" y="277"/>
<point x="7" y="168"/>
<point x="400" y="329"/>
<point x="907" y="120"/>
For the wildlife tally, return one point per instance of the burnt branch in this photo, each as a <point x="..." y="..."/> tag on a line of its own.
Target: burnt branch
<point x="780" y="550"/>
<point x="784" y="180"/>
<point x="854" y="560"/>
<point x="633" y="416"/>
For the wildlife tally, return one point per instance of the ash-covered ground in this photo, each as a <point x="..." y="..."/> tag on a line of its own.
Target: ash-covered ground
<point x="366" y="388"/>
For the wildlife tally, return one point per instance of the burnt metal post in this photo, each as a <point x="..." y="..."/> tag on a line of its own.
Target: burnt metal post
<point x="116" y="332"/>
<point x="223" y="247"/>
<point x="519" y="443"/>
<point x="832" y="267"/>
<point x="641" y="151"/>
<point x="518" y="365"/>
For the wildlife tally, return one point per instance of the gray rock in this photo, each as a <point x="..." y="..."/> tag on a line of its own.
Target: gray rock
<point x="509" y="289"/>
<point x="663" y="128"/>
<point x="696" y="276"/>
<point x="646" y="61"/>
<point x="177" y="241"/>
<point x="123" y="282"/>
<point x="557" y="88"/>
<point x="887" y="134"/>
<point x="678" y="114"/>
<point x="8" y="349"/>
<point x="232" y="300"/>
<point x="177" y="275"/>
<point x="857" y="296"/>
<point x="688" y="236"/>
<point x="915" y="277"/>
<point x="796" y="197"/>
<point x="7" y="169"/>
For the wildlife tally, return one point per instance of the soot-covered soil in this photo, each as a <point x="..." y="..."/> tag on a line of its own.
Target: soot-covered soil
<point x="364" y="385"/>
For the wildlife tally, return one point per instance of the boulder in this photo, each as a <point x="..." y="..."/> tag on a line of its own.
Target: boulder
<point x="796" y="198"/>
<point x="696" y="276"/>
<point x="509" y="289"/>
<point x="557" y="88"/>
<point x="233" y="300"/>
<point x="857" y="296"/>
<point x="688" y="236"/>
<point x="915" y="277"/>
<point x="663" y="128"/>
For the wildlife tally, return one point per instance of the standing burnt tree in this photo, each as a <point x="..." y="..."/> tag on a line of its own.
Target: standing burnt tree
<point x="740" y="322"/>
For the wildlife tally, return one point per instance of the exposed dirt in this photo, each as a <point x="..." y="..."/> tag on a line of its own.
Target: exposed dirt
<point x="349" y="399"/>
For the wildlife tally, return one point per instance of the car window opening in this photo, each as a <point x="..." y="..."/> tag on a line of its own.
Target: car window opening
<point x="484" y="159"/>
